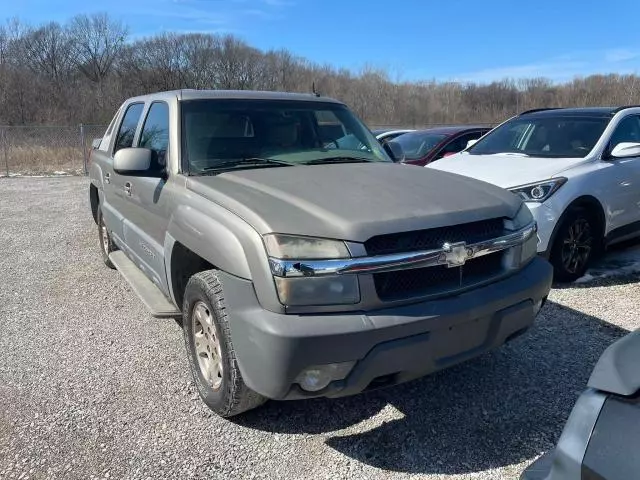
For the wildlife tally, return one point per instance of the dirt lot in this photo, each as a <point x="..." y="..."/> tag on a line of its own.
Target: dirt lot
<point x="92" y="387"/>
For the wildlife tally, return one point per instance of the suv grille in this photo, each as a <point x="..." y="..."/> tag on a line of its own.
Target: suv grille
<point x="403" y="284"/>
<point x="434" y="237"/>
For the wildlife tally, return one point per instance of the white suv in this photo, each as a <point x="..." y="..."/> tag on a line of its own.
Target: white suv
<point x="578" y="169"/>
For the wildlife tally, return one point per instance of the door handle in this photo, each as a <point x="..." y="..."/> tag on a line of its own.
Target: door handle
<point x="127" y="188"/>
<point x="107" y="178"/>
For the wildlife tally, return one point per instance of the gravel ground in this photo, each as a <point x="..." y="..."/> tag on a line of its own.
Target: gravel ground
<point x="92" y="387"/>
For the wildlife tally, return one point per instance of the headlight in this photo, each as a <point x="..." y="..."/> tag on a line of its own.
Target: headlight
<point x="304" y="248"/>
<point x="528" y="249"/>
<point x="329" y="290"/>
<point x="310" y="290"/>
<point x="523" y="218"/>
<point x="540" y="191"/>
<point x="520" y="255"/>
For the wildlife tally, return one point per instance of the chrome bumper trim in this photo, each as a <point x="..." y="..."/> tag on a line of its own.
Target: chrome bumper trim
<point x="451" y="255"/>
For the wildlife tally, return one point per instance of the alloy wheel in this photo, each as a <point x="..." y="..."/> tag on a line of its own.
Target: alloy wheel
<point x="577" y="246"/>
<point x="207" y="345"/>
<point x="105" y="237"/>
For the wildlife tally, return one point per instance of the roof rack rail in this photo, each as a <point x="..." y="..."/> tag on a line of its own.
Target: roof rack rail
<point x="533" y="110"/>
<point x="624" y="107"/>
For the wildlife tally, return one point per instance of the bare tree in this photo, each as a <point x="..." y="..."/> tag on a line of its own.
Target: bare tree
<point x="96" y="43"/>
<point x="48" y="51"/>
<point x="81" y="72"/>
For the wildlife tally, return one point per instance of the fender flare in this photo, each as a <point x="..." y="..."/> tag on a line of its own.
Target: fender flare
<point x="210" y="239"/>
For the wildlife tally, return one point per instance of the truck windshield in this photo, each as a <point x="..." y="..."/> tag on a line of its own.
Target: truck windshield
<point x="223" y="133"/>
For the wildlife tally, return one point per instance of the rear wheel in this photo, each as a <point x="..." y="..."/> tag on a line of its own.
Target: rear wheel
<point x="576" y="244"/>
<point x="106" y="244"/>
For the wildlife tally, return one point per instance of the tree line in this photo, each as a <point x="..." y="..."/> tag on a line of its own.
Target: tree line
<point x="82" y="70"/>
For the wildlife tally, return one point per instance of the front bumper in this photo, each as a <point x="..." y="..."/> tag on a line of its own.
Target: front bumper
<point x="389" y="346"/>
<point x="546" y="218"/>
<point x="541" y="468"/>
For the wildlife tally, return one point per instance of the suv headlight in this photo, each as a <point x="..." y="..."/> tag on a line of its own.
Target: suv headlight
<point x="310" y="290"/>
<point x="539" y="191"/>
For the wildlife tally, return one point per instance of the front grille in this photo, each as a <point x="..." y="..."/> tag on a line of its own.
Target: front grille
<point x="417" y="282"/>
<point x="435" y="237"/>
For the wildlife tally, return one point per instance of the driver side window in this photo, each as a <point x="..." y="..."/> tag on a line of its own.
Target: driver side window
<point x="155" y="134"/>
<point x="127" y="130"/>
<point x="457" y="145"/>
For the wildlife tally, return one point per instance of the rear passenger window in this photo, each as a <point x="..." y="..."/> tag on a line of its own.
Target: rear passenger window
<point x="128" y="126"/>
<point x="155" y="132"/>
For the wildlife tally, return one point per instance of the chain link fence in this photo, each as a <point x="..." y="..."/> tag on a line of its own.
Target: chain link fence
<point x="46" y="150"/>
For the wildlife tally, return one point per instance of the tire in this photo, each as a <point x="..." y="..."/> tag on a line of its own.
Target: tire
<point x="104" y="238"/>
<point x="577" y="242"/>
<point x="213" y="362"/>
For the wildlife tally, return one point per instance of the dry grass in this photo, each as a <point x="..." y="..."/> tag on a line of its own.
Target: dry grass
<point x="28" y="160"/>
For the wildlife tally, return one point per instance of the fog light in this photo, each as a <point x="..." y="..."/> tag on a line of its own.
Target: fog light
<point x="317" y="377"/>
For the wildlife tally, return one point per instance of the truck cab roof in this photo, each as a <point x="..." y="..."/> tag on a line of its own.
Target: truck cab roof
<point x="195" y="94"/>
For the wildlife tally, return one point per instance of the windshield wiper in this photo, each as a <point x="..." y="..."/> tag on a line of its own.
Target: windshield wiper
<point x="319" y="161"/>
<point x="513" y="154"/>
<point x="246" y="162"/>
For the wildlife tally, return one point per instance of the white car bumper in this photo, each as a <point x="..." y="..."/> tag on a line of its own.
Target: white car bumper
<point x="546" y="216"/>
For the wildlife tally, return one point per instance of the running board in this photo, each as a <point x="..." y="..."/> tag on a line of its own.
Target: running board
<point x="156" y="302"/>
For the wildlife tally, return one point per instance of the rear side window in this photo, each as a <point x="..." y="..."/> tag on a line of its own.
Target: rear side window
<point x="106" y="138"/>
<point x="155" y="132"/>
<point x="128" y="126"/>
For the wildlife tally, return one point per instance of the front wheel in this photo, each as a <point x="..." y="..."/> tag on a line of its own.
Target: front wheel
<point x="212" y="358"/>
<point x="575" y="245"/>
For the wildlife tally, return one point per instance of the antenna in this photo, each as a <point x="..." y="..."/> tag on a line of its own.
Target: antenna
<point x="313" y="89"/>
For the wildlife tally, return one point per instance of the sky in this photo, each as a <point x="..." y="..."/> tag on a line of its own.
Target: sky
<point x="442" y="40"/>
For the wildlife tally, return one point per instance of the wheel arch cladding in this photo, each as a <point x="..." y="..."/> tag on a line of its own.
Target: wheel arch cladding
<point x="184" y="263"/>
<point x="94" y="201"/>
<point x="210" y="240"/>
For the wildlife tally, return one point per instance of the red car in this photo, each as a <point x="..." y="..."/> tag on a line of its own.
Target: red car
<point x="425" y="146"/>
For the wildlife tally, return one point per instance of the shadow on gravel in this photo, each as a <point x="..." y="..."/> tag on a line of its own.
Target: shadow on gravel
<point x="503" y="408"/>
<point x="605" y="281"/>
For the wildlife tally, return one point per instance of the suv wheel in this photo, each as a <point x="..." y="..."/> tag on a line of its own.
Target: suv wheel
<point x="106" y="244"/>
<point x="212" y="359"/>
<point x="575" y="245"/>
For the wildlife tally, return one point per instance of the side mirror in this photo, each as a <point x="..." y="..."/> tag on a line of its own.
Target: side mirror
<point x="95" y="144"/>
<point x="626" y="150"/>
<point x="471" y="142"/>
<point x="395" y="151"/>
<point x="132" y="161"/>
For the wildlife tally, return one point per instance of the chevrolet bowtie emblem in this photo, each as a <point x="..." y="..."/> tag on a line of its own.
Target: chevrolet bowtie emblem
<point x="455" y="254"/>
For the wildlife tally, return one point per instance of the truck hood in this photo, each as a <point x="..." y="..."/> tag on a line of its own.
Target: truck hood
<point x="505" y="170"/>
<point x="353" y="201"/>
